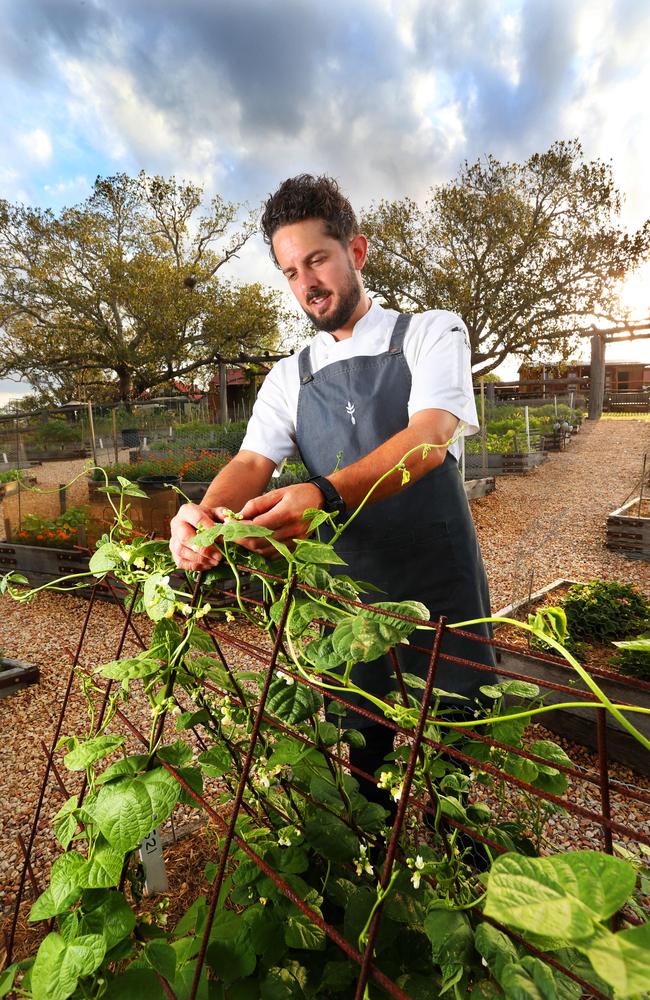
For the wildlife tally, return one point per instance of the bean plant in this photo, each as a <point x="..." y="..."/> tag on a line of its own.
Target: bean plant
<point x="303" y="814"/>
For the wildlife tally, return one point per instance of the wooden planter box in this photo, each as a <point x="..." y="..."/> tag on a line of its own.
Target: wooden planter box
<point x="54" y="454"/>
<point x="579" y="724"/>
<point x="503" y="463"/>
<point x="39" y="563"/>
<point x="629" y="533"/>
<point x="15" y="675"/>
<point x="7" y="489"/>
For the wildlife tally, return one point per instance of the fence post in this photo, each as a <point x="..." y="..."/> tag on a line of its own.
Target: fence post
<point x="483" y="431"/>
<point x="527" y="429"/>
<point x="114" y="420"/>
<point x="91" y="430"/>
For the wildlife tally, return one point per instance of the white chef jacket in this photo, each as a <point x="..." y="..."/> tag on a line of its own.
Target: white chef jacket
<point x="436" y="349"/>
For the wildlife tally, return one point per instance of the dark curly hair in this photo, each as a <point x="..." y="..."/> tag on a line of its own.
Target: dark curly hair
<point x="308" y="197"/>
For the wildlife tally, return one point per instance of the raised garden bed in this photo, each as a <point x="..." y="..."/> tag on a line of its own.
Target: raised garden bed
<point x="628" y="529"/>
<point x="41" y="564"/>
<point x="503" y="463"/>
<point x="15" y="675"/>
<point x="7" y="489"/>
<point x="577" y="724"/>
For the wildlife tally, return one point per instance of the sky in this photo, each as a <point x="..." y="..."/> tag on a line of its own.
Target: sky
<point x="389" y="96"/>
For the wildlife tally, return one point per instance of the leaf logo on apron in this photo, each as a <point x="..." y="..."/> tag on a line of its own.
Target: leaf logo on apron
<point x="349" y="409"/>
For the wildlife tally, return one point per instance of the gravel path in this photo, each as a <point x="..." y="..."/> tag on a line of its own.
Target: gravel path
<point x="550" y="523"/>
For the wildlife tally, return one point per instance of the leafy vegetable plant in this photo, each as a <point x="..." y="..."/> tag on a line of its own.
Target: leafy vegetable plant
<point x="302" y="814"/>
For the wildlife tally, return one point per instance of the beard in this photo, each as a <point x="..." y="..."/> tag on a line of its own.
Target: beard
<point x="348" y="302"/>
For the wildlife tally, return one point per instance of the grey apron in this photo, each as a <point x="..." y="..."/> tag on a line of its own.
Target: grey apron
<point x="418" y="544"/>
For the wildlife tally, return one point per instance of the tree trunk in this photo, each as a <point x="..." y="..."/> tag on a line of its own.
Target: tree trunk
<point x="597" y="377"/>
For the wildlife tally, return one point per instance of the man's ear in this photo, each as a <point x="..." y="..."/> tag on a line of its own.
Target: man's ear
<point x="359" y="249"/>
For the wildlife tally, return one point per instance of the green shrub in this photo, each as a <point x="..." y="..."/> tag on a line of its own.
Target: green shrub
<point x="11" y="475"/>
<point x="634" y="657"/>
<point x="55" y="432"/>
<point x="601" y="611"/>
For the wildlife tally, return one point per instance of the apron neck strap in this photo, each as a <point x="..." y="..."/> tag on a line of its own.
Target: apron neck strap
<point x="304" y="365"/>
<point x="399" y="332"/>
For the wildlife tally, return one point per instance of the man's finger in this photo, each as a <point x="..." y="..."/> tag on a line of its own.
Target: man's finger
<point x="260" y="505"/>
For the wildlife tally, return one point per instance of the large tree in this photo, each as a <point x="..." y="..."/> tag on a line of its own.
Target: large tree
<point x="125" y="291"/>
<point x="529" y="254"/>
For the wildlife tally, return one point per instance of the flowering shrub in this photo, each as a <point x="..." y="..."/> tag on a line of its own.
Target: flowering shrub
<point x="195" y="466"/>
<point x="60" y="532"/>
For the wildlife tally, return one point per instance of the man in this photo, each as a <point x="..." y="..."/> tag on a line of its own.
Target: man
<point x="371" y="386"/>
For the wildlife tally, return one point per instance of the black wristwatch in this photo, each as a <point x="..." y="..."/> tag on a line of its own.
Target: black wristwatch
<point x="334" y="502"/>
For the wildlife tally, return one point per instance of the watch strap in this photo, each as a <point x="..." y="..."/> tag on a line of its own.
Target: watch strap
<point x="334" y="502"/>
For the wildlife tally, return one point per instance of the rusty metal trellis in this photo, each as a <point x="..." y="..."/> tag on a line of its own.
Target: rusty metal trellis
<point x="223" y="638"/>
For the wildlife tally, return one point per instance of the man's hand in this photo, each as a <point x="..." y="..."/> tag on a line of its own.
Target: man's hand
<point x="282" y="511"/>
<point x="183" y="529"/>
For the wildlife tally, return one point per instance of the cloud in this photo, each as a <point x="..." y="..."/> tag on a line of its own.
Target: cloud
<point x="36" y="145"/>
<point x="388" y="96"/>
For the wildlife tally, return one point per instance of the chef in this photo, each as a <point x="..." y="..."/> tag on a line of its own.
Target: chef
<point x="370" y="386"/>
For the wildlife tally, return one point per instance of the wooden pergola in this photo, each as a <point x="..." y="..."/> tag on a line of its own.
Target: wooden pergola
<point x="599" y="339"/>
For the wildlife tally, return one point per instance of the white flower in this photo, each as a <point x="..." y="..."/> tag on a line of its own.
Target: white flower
<point x="285" y="677"/>
<point x="419" y="862"/>
<point x="284" y="841"/>
<point x="396" y="792"/>
<point x="385" y="779"/>
<point x="415" y="879"/>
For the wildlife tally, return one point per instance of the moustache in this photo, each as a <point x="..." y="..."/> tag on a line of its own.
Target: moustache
<point x="316" y="294"/>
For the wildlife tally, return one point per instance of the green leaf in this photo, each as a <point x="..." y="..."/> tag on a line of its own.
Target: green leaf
<point x="265" y="929"/>
<point x="106" y="558"/>
<point x="292" y="703"/>
<point x="529" y="979"/>
<point x="58" y="966"/>
<point x="126" y="766"/>
<point x="133" y="668"/>
<point x="65" y="822"/>
<point x="414" y="609"/>
<point x="284" y="983"/>
<point x="158" y="597"/>
<point x="216" y="761"/>
<point x="128" y="810"/>
<point x="104" y="868"/>
<point x="231" y="958"/>
<point x="622" y="960"/>
<point x="177" y="753"/>
<point x="64" y="888"/>
<point x="451" y="937"/>
<point x="300" y="932"/>
<point x="87" y="753"/>
<point x="135" y="984"/>
<point x="363" y="639"/>
<point x="338" y="976"/>
<point x="323" y="654"/>
<point x="495" y="947"/>
<point x="162" y="958"/>
<point x="331" y="837"/>
<point x="113" y="918"/>
<point x="517" y="689"/>
<point x="640" y="645"/>
<point x="354" y="738"/>
<point x="307" y="551"/>
<point x="7" y="979"/>
<point x="558" y="897"/>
